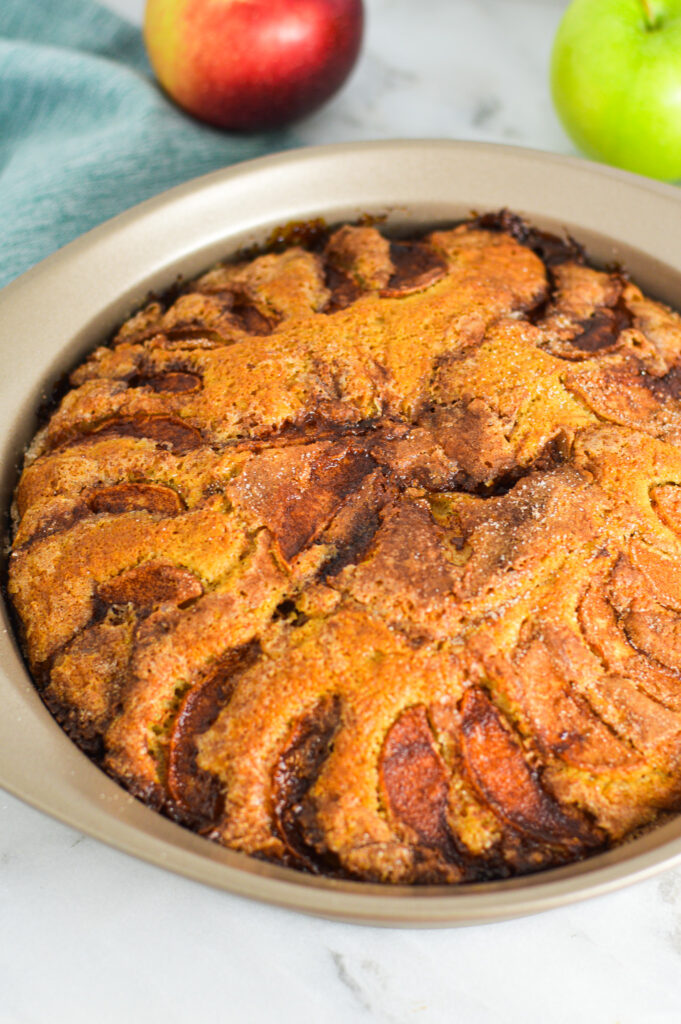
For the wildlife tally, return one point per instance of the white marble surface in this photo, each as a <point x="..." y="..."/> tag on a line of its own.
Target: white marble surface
<point x="89" y="934"/>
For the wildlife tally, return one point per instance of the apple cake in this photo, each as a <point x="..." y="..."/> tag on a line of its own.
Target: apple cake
<point x="363" y="555"/>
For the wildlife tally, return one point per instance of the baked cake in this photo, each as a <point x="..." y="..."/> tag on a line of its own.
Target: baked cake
<point x="363" y="556"/>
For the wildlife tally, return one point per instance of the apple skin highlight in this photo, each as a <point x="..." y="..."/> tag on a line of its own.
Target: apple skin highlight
<point x="248" y="65"/>
<point x="616" y="82"/>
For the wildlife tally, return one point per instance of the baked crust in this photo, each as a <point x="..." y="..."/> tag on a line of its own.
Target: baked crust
<point x="366" y="559"/>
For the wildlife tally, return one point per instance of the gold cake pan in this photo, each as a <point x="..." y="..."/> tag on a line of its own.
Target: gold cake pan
<point x="52" y="315"/>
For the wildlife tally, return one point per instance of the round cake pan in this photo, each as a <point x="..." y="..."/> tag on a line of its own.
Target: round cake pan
<point x="68" y="303"/>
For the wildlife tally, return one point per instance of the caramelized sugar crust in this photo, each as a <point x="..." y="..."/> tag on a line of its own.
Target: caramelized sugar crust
<point x="366" y="559"/>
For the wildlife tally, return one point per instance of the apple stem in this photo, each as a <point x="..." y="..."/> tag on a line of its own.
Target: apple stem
<point x="652" y="19"/>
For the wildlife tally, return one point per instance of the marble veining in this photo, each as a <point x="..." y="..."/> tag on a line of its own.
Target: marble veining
<point x="92" y="934"/>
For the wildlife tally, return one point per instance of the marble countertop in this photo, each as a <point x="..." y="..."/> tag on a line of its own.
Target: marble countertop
<point x="90" y="934"/>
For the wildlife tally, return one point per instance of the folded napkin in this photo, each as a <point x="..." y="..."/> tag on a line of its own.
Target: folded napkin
<point x="84" y="130"/>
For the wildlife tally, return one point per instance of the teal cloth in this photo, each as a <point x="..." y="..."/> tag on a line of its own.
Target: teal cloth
<point x="84" y="130"/>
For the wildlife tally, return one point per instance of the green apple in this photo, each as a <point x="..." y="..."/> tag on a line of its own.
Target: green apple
<point x="616" y="82"/>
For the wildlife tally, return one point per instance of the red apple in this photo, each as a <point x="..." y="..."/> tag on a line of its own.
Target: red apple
<point x="252" y="64"/>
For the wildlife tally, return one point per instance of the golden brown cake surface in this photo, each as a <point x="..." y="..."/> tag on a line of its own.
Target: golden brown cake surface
<point x="367" y="559"/>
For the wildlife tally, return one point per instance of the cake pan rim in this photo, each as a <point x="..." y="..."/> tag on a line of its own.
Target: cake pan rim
<point x="139" y="236"/>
